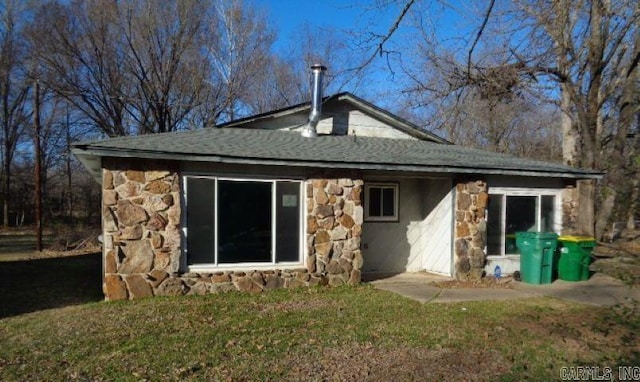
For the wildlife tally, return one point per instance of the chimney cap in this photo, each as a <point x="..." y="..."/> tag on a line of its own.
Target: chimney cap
<point x="318" y="67"/>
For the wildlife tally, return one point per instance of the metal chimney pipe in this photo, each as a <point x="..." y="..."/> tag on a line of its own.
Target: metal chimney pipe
<point x="309" y="130"/>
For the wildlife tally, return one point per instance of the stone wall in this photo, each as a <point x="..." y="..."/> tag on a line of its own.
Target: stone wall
<point x="334" y="228"/>
<point x="470" y="229"/>
<point x="141" y="228"/>
<point x="141" y="219"/>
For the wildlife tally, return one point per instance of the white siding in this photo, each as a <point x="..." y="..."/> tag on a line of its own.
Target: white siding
<point x="423" y="230"/>
<point x="336" y="121"/>
<point x="362" y="125"/>
<point x="287" y="122"/>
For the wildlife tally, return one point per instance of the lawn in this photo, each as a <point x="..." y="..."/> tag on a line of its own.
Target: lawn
<point x="346" y="333"/>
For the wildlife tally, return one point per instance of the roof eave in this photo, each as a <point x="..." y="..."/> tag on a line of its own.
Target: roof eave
<point x="93" y="155"/>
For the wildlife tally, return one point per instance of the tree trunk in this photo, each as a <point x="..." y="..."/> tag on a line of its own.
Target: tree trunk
<point x="605" y="211"/>
<point x="569" y="132"/>
<point x="6" y="180"/>
<point x="6" y="186"/>
<point x="631" y="214"/>
<point x="38" y="171"/>
<point x="586" y="210"/>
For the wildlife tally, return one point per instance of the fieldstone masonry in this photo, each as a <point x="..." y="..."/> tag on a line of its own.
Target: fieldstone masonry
<point x="470" y="229"/>
<point x="142" y="243"/>
<point x="334" y="227"/>
<point x="141" y="229"/>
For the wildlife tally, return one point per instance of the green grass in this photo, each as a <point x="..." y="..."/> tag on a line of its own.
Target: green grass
<point x="55" y="326"/>
<point x="347" y="333"/>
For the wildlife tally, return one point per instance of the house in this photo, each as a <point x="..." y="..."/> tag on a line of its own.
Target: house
<point x="316" y="193"/>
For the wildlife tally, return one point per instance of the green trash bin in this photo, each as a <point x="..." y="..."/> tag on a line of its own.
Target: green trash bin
<point x="537" y="252"/>
<point x="575" y="257"/>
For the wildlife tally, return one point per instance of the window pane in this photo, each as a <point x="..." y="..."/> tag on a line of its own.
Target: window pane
<point x="287" y="221"/>
<point x="244" y="219"/>
<point x="375" y="196"/>
<point x="520" y="216"/>
<point x="200" y="220"/>
<point x="548" y="204"/>
<point x="494" y="225"/>
<point x="388" y="202"/>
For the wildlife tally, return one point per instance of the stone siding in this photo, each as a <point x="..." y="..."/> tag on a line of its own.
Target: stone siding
<point x="334" y="228"/>
<point x="141" y="220"/>
<point x="141" y="228"/>
<point x="470" y="229"/>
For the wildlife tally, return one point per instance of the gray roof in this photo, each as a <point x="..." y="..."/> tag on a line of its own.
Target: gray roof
<point x="285" y="148"/>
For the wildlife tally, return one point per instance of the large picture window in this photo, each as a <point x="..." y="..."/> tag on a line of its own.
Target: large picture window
<point x="239" y="221"/>
<point x="514" y="210"/>
<point x="381" y="202"/>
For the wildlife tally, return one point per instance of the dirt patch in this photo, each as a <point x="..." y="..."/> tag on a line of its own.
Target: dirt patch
<point x="620" y="259"/>
<point x="367" y="362"/>
<point x="19" y="243"/>
<point x="293" y="306"/>
<point x="485" y="282"/>
<point x="626" y="269"/>
<point x="579" y="333"/>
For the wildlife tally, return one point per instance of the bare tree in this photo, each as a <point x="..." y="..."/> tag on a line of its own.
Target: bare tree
<point x="584" y="51"/>
<point x="596" y="45"/>
<point x="276" y="86"/>
<point x="239" y="53"/>
<point x="80" y="48"/>
<point x="130" y="67"/>
<point x="14" y="88"/>
<point x="164" y="58"/>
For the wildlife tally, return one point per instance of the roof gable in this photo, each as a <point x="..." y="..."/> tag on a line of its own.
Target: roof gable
<point x="343" y="114"/>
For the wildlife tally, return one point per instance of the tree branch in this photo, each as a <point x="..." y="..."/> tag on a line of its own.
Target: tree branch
<point x="475" y="42"/>
<point x="379" y="49"/>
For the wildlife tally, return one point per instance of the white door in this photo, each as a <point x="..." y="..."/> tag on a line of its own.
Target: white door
<point x="438" y="231"/>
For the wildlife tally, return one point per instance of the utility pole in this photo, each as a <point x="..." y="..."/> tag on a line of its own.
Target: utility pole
<point x="69" y="188"/>
<point x="38" y="180"/>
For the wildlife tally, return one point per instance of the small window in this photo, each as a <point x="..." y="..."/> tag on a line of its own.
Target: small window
<point x="381" y="202"/>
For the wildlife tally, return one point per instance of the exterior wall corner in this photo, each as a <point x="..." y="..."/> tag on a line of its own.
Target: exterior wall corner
<point x="470" y="230"/>
<point x="141" y="211"/>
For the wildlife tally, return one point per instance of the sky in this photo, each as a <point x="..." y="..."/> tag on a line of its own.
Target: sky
<point x="289" y="16"/>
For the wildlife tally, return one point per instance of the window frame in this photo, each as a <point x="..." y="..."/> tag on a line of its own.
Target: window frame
<point x="396" y="202"/>
<point x="216" y="265"/>
<point x="518" y="191"/>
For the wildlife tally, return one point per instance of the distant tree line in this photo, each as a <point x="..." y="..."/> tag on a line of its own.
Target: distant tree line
<point x="552" y="80"/>
<point x="113" y="68"/>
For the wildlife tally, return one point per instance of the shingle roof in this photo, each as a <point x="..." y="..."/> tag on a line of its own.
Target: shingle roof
<point x="275" y="147"/>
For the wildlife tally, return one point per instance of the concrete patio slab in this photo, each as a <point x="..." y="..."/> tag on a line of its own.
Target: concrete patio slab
<point x="600" y="290"/>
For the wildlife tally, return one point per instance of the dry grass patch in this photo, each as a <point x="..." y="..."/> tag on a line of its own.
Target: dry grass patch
<point x="350" y="333"/>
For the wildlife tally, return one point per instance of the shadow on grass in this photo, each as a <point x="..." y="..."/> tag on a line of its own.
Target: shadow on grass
<point x="32" y="285"/>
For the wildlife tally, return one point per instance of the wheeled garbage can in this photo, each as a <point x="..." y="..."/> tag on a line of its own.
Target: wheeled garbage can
<point x="537" y="252"/>
<point x="575" y="257"/>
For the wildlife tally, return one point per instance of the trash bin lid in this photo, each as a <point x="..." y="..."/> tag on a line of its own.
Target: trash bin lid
<point x="577" y="239"/>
